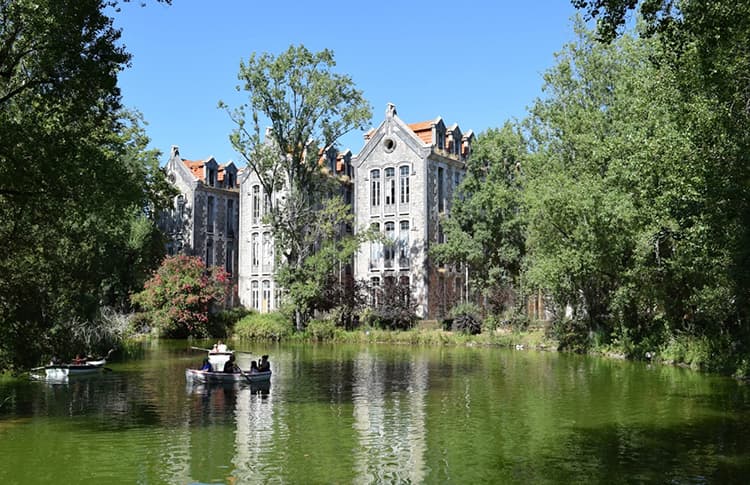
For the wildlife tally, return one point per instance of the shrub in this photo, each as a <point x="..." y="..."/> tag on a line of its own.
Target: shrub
<point x="222" y="323"/>
<point x="263" y="326"/>
<point x="321" y="330"/>
<point x="178" y="298"/>
<point x="466" y="319"/>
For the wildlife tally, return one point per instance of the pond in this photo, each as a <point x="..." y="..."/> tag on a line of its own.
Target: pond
<point x="377" y="414"/>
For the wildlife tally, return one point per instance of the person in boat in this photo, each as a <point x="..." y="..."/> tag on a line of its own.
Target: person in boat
<point x="214" y="349"/>
<point x="206" y="365"/>
<point x="221" y="346"/>
<point x="79" y="360"/>
<point x="229" y="365"/>
<point x="263" y="364"/>
<point x="253" y="367"/>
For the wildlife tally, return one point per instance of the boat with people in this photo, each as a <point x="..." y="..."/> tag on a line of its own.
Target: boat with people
<point x="220" y="366"/>
<point x="198" y="375"/>
<point x="79" y="366"/>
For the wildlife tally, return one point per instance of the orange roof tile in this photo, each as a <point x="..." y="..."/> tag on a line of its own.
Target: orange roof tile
<point x="196" y="167"/>
<point x="423" y="130"/>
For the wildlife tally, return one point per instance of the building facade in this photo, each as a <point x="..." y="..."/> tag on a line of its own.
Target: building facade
<point x="404" y="180"/>
<point x="204" y="220"/>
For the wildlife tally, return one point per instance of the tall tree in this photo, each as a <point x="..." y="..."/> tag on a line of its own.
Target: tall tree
<point x="309" y="107"/>
<point x="67" y="190"/>
<point x="485" y="229"/>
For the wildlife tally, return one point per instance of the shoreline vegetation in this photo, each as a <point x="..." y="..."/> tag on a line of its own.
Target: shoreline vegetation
<point x="687" y="352"/>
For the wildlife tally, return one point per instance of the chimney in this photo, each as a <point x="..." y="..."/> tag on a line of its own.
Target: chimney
<point x="390" y="111"/>
<point x="174" y="151"/>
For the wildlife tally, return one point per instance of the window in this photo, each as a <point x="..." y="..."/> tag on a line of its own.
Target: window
<point x="254" y="304"/>
<point x="390" y="187"/>
<point x="375" y="248"/>
<point x="266" y="302"/>
<point x="375" y="188"/>
<point x="256" y="204"/>
<point x="229" y="264"/>
<point x="267" y="253"/>
<point x="405" y="288"/>
<point x="375" y="291"/>
<point x="440" y="190"/>
<point x="229" y="180"/>
<point x="230" y="218"/>
<point x="390" y="247"/>
<point x="210" y="210"/>
<point x="210" y="252"/>
<point x="254" y="251"/>
<point x="211" y="176"/>
<point x="403" y="246"/>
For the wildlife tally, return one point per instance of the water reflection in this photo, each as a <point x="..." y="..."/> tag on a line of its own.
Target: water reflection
<point x="389" y="401"/>
<point x="378" y="414"/>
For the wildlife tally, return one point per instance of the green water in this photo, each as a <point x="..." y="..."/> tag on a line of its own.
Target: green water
<point x="378" y="414"/>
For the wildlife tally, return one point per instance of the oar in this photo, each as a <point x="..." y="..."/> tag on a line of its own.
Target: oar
<point x="37" y="368"/>
<point x="211" y="350"/>
<point x="243" y="374"/>
<point x="199" y="348"/>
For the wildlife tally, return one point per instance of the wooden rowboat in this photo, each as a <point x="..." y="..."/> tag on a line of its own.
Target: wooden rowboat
<point x="208" y="376"/>
<point x="61" y="371"/>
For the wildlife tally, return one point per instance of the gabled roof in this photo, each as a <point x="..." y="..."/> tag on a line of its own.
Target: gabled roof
<point x="423" y="130"/>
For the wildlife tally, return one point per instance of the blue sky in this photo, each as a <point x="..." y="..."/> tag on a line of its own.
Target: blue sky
<point x="477" y="64"/>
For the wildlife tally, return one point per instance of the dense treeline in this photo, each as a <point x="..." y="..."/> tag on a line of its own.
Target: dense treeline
<point x="624" y="195"/>
<point x="78" y="188"/>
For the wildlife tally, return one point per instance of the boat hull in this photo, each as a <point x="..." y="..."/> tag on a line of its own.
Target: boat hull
<point x="207" y="376"/>
<point x="60" y="371"/>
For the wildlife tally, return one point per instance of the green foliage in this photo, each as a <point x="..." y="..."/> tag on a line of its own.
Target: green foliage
<point x="321" y="330"/>
<point x="485" y="230"/>
<point x="309" y="107"/>
<point x="179" y="297"/>
<point x="466" y="318"/>
<point x="73" y="174"/>
<point x="221" y="323"/>
<point x="393" y="308"/>
<point x="263" y="326"/>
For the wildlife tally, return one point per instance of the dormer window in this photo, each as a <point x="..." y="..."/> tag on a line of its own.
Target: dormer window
<point x="211" y="176"/>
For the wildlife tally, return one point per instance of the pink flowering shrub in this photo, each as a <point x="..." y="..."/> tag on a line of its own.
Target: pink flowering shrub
<point x="178" y="297"/>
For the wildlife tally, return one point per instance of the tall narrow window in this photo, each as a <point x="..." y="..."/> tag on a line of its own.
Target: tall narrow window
<point x="256" y="204"/>
<point x="229" y="263"/>
<point x="266" y="203"/>
<point x="375" y="188"/>
<point x="266" y="302"/>
<point x="404" y="186"/>
<point x="254" y="296"/>
<point x="440" y="190"/>
<point x="210" y="211"/>
<point x="390" y="188"/>
<point x="390" y="234"/>
<point x="211" y="177"/>
<point x="375" y="291"/>
<point x="267" y="254"/>
<point x="230" y="218"/>
<point x="405" y="288"/>
<point x="210" y="252"/>
<point x="403" y="246"/>
<point x="254" y="251"/>
<point x="375" y="248"/>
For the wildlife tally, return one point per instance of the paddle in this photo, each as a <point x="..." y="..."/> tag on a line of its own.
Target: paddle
<point x="243" y="374"/>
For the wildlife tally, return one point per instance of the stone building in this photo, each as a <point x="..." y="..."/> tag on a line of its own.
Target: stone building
<point x="404" y="178"/>
<point x="204" y="219"/>
<point x="257" y="288"/>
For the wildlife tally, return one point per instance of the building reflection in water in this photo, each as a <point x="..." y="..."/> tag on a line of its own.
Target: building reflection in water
<point x="391" y="429"/>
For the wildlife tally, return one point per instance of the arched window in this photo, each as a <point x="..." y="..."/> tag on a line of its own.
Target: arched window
<point x="390" y="246"/>
<point x="404" y="187"/>
<point x="375" y="188"/>
<point x="390" y="188"/>
<point x="256" y="204"/>
<point x="403" y="246"/>
<point x="254" y="299"/>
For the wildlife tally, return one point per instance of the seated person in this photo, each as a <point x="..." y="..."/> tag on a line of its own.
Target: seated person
<point x="264" y="365"/>
<point x="253" y="367"/>
<point x="221" y="346"/>
<point x="206" y="365"/>
<point x="229" y="365"/>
